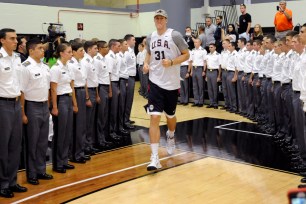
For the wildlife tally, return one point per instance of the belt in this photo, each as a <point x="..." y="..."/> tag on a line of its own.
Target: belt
<point x="240" y="72"/>
<point x="132" y="76"/>
<point x="39" y="102"/>
<point x="276" y="82"/>
<point x="184" y="66"/>
<point x="230" y="71"/>
<point x="268" y="78"/>
<point x="9" y="99"/>
<point x="106" y="85"/>
<point x="248" y="73"/>
<point x="198" y="67"/>
<point x="92" y="88"/>
<point x="122" y="79"/>
<point x="212" y="70"/>
<point x="116" y="82"/>
<point x="67" y="94"/>
<point x="286" y="84"/>
<point x="298" y="92"/>
<point x="82" y="87"/>
<point x="224" y="69"/>
<point x="255" y="74"/>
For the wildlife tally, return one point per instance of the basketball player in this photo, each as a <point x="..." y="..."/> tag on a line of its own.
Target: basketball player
<point x="166" y="50"/>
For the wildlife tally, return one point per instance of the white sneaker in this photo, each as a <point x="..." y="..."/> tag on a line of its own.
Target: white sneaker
<point x="170" y="146"/>
<point x="155" y="164"/>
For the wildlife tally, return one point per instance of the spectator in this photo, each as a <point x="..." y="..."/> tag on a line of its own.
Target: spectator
<point x="244" y="24"/>
<point x="202" y="36"/>
<point x="217" y="34"/>
<point x="209" y="32"/>
<point x="21" y="48"/>
<point x="283" y="20"/>
<point x="231" y="33"/>
<point x="189" y="37"/>
<point x="257" y="33"/>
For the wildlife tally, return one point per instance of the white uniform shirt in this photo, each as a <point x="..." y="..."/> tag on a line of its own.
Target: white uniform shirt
<point x="224" y="56"/>
<point x="242" y="53"/>
<point x="112" y="62"/>
<point x="263" y="64"/>
<point x="257" y="62"/>
<point x="249" y="62"/>
<point x="10" y="73"/>
<point x="286" y="72"/>
<point x="141" y="57"/>
<point x="92" y="74"/>
<point x="303" y="75"/>
<point x="79" y="73"/>
<point x="62" y="75"/>
<point x="102" y="69"/>
<point x="297" y="77"/>
<point x="198" y="56"/>
<point x="35" y="81"/>
<point x="166" y="46"/>
<point x="123" y="71"/>
<point x="186" y="63"/>
<point x="213" y="60"/>
<point x="278" y="66"/>
<point x="270" y="64"/>
<point x="232" y="61"/>
<point x="131" y="61"/>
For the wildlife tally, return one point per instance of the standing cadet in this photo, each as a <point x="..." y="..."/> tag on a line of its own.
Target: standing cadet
<point x="112" y="62"/>
<point x="198" y="57"/>
<point x="167" y="49"/>
<point x="185" y="74"/>
<point x="139" y="59"/>
<point x="63" y="106"/>
<point x="87" y="62"/>
<point x="232" y="76"/>
<point x="35" y="85"/>
<point x="10" y="117"/>
<point x="123" y="83"/>
<point x="212" y="71"/>
<point x="105" y="93"/>
<point x="131" y="65"/>
<point x="223" y="58"/>
<point x="242" y="53"/>
<point x="145" y="75"/>
<point x="79" y="118"/>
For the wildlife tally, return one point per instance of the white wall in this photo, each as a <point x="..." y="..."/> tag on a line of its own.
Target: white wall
<point x="28" y="19"/>
<point x="262" y="14"/>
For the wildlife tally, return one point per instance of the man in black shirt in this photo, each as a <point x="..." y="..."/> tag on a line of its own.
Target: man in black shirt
<point x="217" y="34"/>
<point x="21" y="48"/>
<point x="245" y="21"/>
<point x="189" y="37"/>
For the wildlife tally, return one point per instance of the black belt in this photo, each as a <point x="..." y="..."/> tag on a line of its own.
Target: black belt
<point x="106" y="85"/>
<point x="248" y="73"/>
<point x="198" y="67"/>
<point x="286" y="84"/>
<point x="212" y="70"/>
<point x="92" y="88"/>
<point x="132" y="76"/>
<point x="116" y="82"/>
<point x="255" y="74"/>
<point x="276" y="82"/>
<point x="9" y="99"/>
<point x="122" y="79"/>
<point x="269" y="78"/>
<point x="298" y="92"/>
<point x="67" y="94"/>
<point x="230" y="71"/>
<point x="82" y="87"/>
<point x="240" y="72"/>
<point x="39" y="102"/>
<point x="184" y="66"/>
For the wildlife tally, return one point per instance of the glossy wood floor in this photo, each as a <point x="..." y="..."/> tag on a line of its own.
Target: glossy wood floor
<point x="202" y="170"/>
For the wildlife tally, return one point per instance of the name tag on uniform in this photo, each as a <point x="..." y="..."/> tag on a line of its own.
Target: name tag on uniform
<point x="37" y="74"/>
<point x="93" y="70"/>
<point x="104" y="67"/>
<point x="7" y="69"/>
<point x="63" y="72"/>
<point x="79" y="68"/>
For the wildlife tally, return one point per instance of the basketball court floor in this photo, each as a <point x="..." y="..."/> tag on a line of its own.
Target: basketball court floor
<point x="220" y="158"/>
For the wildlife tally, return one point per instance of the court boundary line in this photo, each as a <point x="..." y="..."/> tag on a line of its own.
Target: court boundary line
<point x="249" y="132"/>
<point x="92" y="178"/>
<point x="219" y="126"/>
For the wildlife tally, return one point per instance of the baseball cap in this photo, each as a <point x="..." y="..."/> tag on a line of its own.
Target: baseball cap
<point x="161" y="12"/>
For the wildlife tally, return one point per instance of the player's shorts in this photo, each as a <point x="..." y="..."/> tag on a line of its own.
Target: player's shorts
<point x="161" y="100"/>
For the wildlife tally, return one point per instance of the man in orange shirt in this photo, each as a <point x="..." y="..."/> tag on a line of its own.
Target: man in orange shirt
<point x="283" y="20"/>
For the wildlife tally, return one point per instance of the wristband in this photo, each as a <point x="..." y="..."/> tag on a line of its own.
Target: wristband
<point x="171" y="62"/>
<point x="87" y="99"/>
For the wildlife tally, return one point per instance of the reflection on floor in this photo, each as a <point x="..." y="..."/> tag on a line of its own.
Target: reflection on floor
<point x="236" y="141"/>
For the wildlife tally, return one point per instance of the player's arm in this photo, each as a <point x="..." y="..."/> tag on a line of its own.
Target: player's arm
<point x="146" y="63"/>
<point x="182" y="58"/>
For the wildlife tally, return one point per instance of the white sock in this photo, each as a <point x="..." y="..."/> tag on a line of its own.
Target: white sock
<point x="170" y="133"/>
<point x="154" y="149"/>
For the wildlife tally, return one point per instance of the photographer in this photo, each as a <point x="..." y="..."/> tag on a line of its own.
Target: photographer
<point x="189" y="38"/>
<point x="282" y="20"/>
<point x="218" y="35"/>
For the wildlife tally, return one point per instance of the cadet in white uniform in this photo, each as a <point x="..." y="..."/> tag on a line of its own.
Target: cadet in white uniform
<point x="87" y="62"/>
<point x="10" y="117"/>
<point x="223" y="58"/>
<point x="35" y="85"/>
<point x="166" y="50"/>
<point x="63" y="106"/>
<point x="104" y="93"/>
<point x="198" y="57"/>
<point x="185" y="74"/>
<point x="213" y="75"/>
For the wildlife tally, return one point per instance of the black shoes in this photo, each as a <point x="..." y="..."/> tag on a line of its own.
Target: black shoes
<point x="87" y="158"/>
<point x="18" y="188"/>
<point x="215" y="107"/>
<point x="68" y="166"/>
<point x="6" y="193"/>
<point x="79" y="161"/>
<point x="123" y="132"/>
<point x="194" y="105"/>
<point x="200" y="105"/>
<point x="44" y="176"/>
<point x="209" y="106"/>
<point x="131" y="122"/>
<point x="33" y="181"/>
<point x="185" y="104"/>
<point x="60" y="170"/>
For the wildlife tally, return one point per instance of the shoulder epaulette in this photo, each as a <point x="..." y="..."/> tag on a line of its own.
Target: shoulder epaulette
<point x="112" y="56"/>
<point x="26" y="63"/>
<point x="1" y="55"/>
<point x="71" y="61"/>
<point x="17" y="54"/>
<point x="88" y="60"/>
<point x="98" y="58"/>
